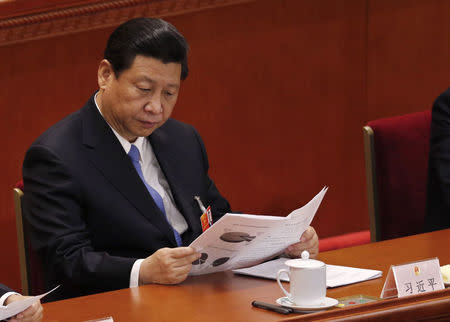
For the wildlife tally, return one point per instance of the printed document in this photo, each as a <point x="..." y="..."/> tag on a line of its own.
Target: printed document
<point x="242" y="240"/>
<point x="336" y="275"/>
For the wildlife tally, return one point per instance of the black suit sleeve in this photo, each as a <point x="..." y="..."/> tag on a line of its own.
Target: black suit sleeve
<point x="53" y="205"/>
<point x="438" y="199"/>
<point x="4" y="289"/>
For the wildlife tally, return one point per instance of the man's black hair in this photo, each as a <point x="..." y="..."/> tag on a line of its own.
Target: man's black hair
<point x="149" y="37"/>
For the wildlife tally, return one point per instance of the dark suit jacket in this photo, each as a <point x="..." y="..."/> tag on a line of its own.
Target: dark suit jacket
<point x="91" y="216"/>
<point x="4" y="289"/>
<point x="438" y="194"/>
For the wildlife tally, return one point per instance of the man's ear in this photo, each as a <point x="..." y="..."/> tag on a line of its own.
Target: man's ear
<point x="105" y="74"/>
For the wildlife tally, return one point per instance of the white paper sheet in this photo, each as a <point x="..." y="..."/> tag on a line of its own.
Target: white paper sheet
<point x="241" y="240"/>
<point x="20" y="306"/>
<point x="336" y="275"/>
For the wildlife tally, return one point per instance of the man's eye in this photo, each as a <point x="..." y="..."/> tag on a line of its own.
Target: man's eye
<point x="169" y="93"/>
<point x="145" y="89"/>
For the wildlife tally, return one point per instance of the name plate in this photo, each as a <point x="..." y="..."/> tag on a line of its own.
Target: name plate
<point x="413" y="278"/>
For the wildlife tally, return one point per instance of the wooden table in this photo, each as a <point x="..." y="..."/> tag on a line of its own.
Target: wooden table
<point x="227" y="297"/>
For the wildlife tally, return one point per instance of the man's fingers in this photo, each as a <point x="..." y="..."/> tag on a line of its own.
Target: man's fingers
<point x="178" y="256"/>
<point x="182" y="256"/>
<point x="182" y="271"/>
<point x="181" y="252"/>
<point x="38" y="314"/>
<point x="168" y="265"/>
<point x="187" y="261"/>
<point x="308" y="234"/>
<point x="309" y="241"/>
<point x="177" y="274"/>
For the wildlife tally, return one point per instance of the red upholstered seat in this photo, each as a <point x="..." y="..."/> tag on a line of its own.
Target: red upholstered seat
<point x="345" y="240"/>
<point x="399" y="175"/>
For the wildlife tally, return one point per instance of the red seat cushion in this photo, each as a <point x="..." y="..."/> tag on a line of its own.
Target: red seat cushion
<point x="345" y="240"/>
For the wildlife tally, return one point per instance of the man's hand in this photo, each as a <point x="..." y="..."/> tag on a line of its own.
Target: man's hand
<point x="167" y="265"/>
<point x="31" y="314"/>
<point x="309" y="241"/>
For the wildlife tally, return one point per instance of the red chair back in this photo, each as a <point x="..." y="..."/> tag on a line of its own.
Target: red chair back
<point x="400" y="146"/>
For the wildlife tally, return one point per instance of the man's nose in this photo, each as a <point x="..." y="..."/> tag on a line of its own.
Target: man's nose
<point x="154" y="104"/>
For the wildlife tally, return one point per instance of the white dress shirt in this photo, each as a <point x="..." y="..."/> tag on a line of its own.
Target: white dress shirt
<point x="5" y="296"/>
<point x="155" y="178"/>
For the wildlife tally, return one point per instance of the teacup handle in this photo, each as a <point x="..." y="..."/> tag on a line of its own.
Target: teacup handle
<point x="281" y="271"/>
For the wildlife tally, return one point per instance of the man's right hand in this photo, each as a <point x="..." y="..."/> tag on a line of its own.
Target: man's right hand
<point x="167" y="265"/>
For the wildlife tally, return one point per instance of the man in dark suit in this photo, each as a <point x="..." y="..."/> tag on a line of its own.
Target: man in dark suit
<point x="33" y="313"/>
<point x="109" y="191"/>
<point x="438" y="194"/>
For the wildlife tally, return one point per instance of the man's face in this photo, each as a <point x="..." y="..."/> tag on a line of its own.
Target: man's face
<point x="141" y="99"/>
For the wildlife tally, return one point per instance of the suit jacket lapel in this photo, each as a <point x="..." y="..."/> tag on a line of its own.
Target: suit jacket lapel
<point x="108" y="155"/>
<point x="172" y="169"/>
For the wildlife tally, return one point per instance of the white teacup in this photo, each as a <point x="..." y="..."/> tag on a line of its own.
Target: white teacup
<point x="307" y="280"/>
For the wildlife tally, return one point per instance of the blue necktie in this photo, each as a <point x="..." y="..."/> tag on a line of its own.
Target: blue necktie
<point x="135" y="156"/>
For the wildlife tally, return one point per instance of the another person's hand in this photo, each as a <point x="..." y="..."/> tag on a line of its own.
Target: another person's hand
<point x="308" y="241"/>
<point x="167" y="265"/>
<point x="33" y="313"/>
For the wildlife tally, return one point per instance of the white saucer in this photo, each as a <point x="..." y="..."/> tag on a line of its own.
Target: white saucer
<point x="326" y="303"/>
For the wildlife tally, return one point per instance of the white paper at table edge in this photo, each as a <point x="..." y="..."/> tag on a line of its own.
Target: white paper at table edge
<point x="20" y="306"/>
<point x="244" y="271"/>
<point x="107" y="319"/>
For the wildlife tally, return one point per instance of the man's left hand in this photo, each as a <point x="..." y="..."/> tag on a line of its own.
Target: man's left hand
<point x="308" y="241"/>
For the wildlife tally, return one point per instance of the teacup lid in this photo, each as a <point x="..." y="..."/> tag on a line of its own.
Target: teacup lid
<point x="305" y="254"/>
<point x="304" y="261"/>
